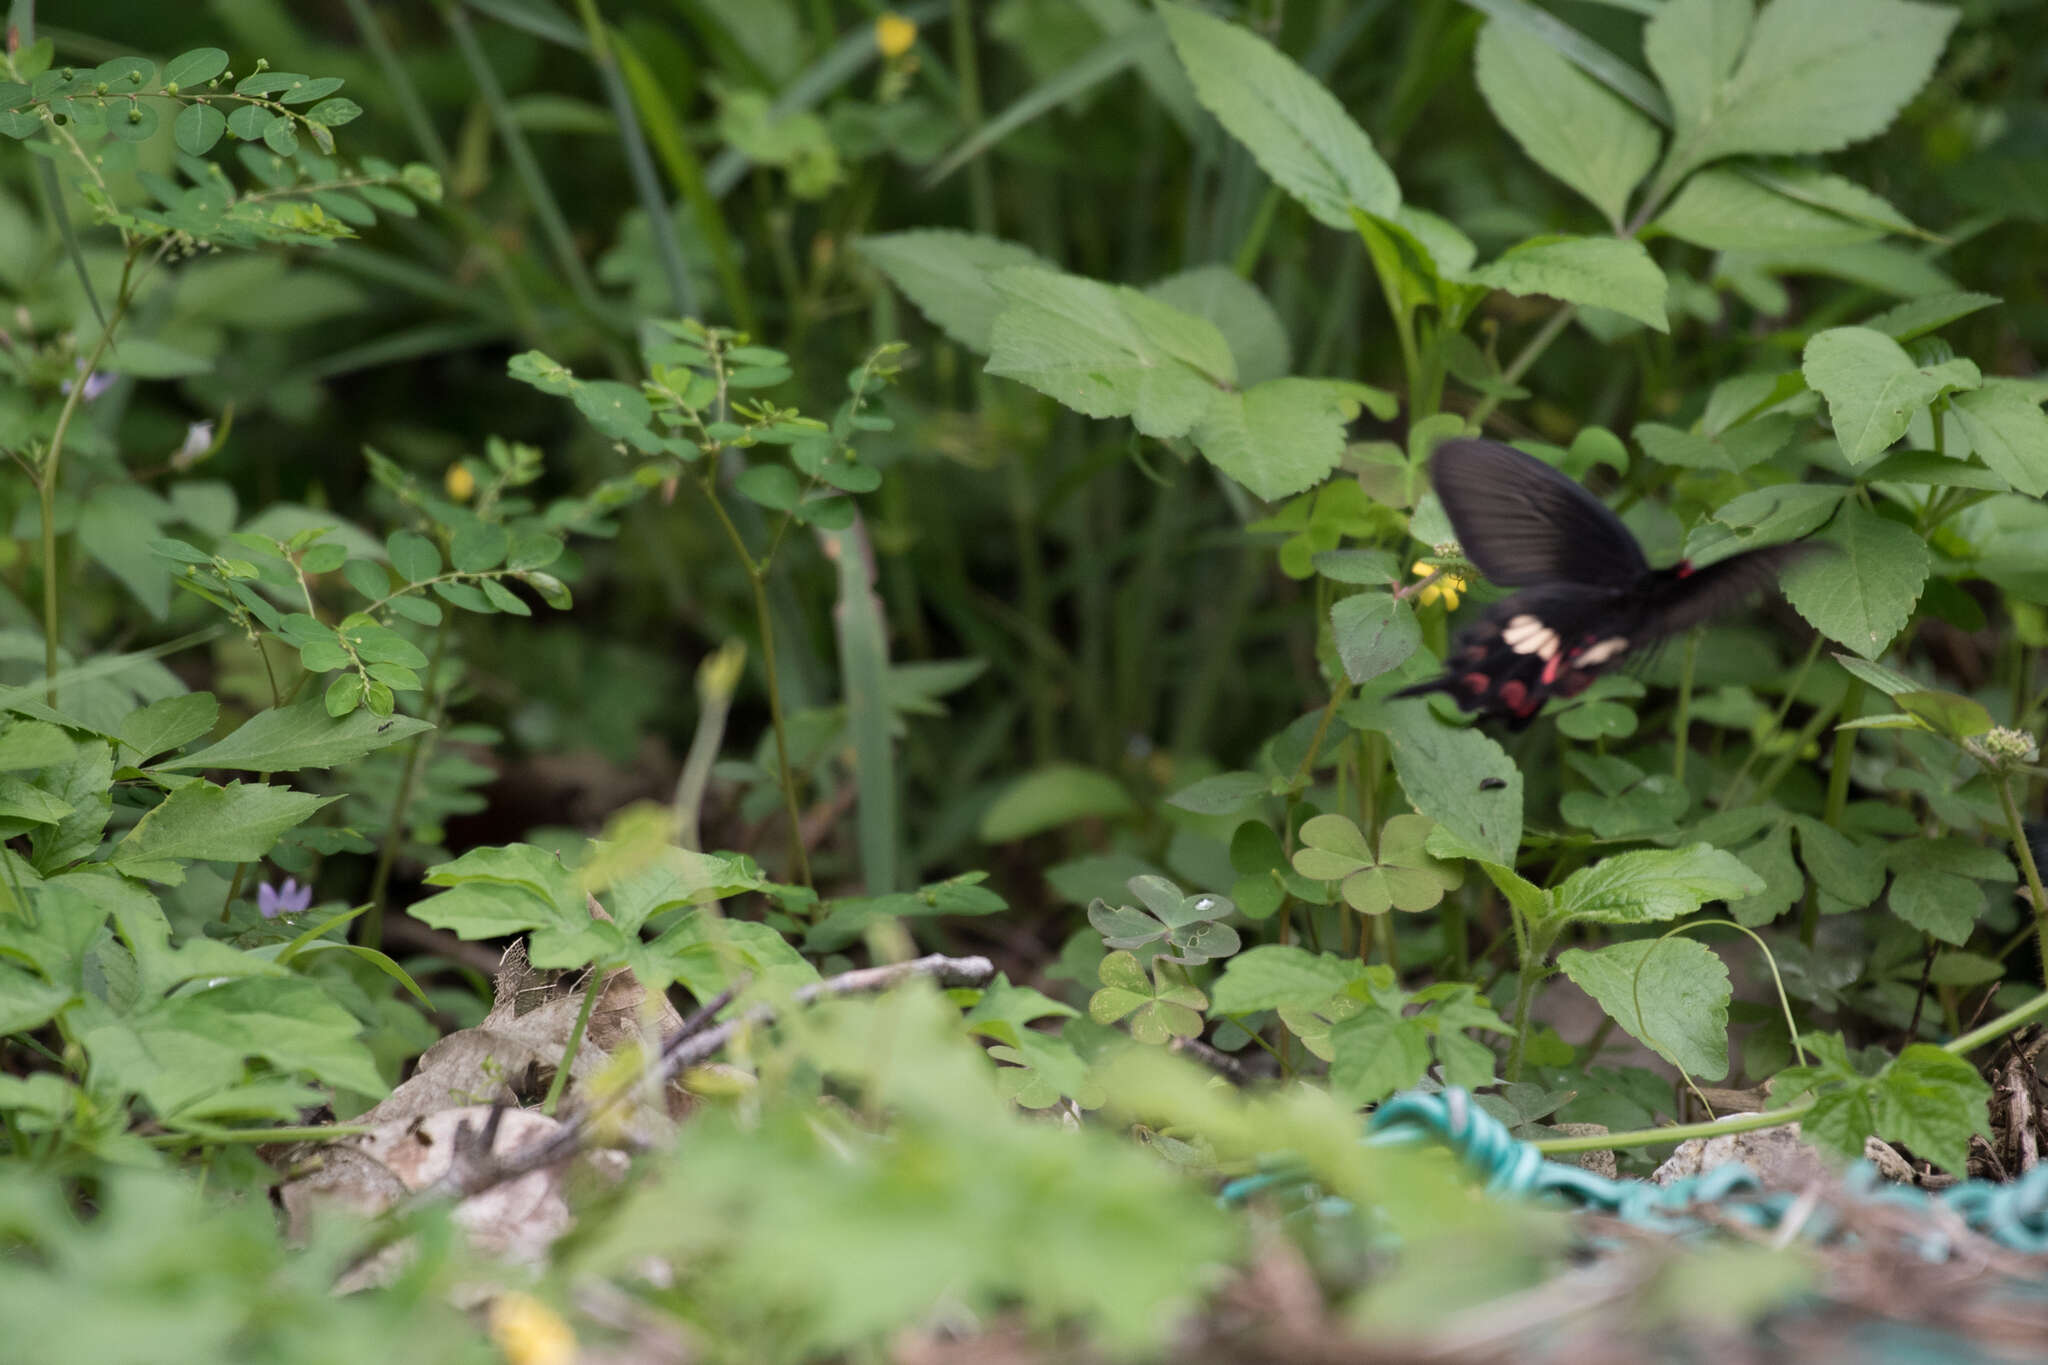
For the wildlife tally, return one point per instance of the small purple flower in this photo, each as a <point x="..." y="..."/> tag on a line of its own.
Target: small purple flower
<point x="288" y="899"/>
<point x="95" y="383"/>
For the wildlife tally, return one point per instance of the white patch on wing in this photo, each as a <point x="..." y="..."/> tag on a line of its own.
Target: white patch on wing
<point x="1595" y="655"/>
<point x="1526" y="635"/>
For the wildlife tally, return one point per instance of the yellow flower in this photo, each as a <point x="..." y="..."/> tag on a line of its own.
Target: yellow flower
<point x="894" y="34"/>
<point x="460" y="483"/>
<point x="528" y="1332"/>
<point x="1447" y="587"/>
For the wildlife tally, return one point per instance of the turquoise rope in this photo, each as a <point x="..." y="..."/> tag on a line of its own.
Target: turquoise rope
<point x="2013" y="1214"/>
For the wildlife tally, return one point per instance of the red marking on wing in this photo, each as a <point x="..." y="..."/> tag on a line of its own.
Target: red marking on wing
<point x="1550" y="669"/>
<point x="1475" y="683"/>
<point x="1513" y="693"/>
<point x="1684" y="568"/>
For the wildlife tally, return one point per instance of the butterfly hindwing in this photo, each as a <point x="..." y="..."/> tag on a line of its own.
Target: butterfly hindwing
<point x="1681" y="599"/>
<point x="1524" y="523"/>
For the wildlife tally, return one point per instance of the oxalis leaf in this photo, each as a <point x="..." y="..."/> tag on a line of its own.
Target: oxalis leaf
<point x="1670" y="994"/>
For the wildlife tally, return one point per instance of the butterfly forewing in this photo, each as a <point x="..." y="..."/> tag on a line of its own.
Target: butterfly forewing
<point x="1524" y="523"/>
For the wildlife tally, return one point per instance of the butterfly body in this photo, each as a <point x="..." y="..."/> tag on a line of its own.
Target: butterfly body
<point x="1588" y="599"/>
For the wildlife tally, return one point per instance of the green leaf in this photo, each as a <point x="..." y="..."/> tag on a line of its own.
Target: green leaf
<point x="773" y="486"/>
<point x="1049" y="797"/>
<point x="1917" y="317"/>
<point x="344" y="696"/>
<point x="1272" y="975"/>
<point x="1654" y="884"/>
<point x="202" y="822"/>
<point x="1729" y="211"/>
<point x="27" y="744"/>
<point x="1937" y="903"/>
<point x="1681" y="988"/>
<point x="2008" y="432"/>
<point x="1807" y="76"/>
<point x="1873" y="387"/>
<point x="1568" y="123"/>
<point x="1293" y="127"/>
<point x="197" y="128"/>
<point x="1223" y="794"/>
<point x="1258" y="339"/>
<point x="1603" y="272"/>
<point x="1285" y="435"/>
<point x="1376" y="1054"/>
<point x="948" y="275"/>
<point x="1862" y="596"/>
<point x="1444" y="769"/>
<point x="165" y="725"/>
<point x="414" y="556"/>
<point x="1108" y="351"/>
<point x="1932" y="1102"/>
<point x="196" y="67"/>
<point x="302" y="735"/>
<point x="1374" y="633"/>
<point x="618" y="410"/>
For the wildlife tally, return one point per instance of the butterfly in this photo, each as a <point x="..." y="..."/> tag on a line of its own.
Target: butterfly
<point x="1587" y="600"/>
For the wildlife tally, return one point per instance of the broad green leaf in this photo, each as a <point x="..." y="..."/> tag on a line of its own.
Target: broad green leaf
<point x="169" y="723"/>
<point x="1442" y="768"/>
<point x="26" y="744"/>
<point x="302" y="735"/>
<point x="1933" y="1102"/>
<point x="1107" y="351"/>
<point x="1374" y="633"/>
<point x="196" y="67"/>
<point x="1258" y="339"/>
<point x="1921" y="316"/>
<point x="1005" y="1011"/>
<point x="1272" y="975"/>
<point x="1947" y="713"/>
<point x="1603" y="272"/>
<point x="1937" y="903"/>
<point x="1873" y="387"/>
<point x="1568" y="123"/>
<point x="1732" y="451"/>
<point x="1223" y="794"/>
<point x="1376" y="1054"/>
<point x="201" y="822"/>
<point x="1862" y="596"/>
<point x="2008" y="432"/>
<point x="1285" y="435"/>
<point x="1806" y="76"/>
<point x="1670" y="994"/>
<point x="1294" y="128"/>
<point x="947" y="275"/>
<point x="1049" y="797"/>
<point x="1726" y="210"/>
<point x="1653" y="884"/>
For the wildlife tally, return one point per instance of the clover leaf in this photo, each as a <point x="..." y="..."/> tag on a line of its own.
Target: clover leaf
<point x="1160" y="1007"/>
<point x="1187" y="929"/>
<point x="1401" y="876"/>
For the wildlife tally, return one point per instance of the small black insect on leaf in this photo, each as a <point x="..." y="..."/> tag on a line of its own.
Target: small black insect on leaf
<point x="1587" y="600"/>
<point x="1492" y="784"/>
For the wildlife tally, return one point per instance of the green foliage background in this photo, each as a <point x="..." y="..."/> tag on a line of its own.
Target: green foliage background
<point x="823" y="484"/>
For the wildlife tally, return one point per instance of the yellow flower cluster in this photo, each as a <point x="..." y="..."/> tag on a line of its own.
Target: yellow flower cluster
<point x="1447" y="587"/>
<point x="894" y="34"/>
<point x="528" y="1332"/>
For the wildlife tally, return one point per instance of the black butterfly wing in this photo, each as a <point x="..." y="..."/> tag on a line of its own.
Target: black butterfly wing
<point x="1524" y="523"/>
<point x="1680" y="602"/>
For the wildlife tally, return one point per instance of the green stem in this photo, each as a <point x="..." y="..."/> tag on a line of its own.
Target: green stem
<point x="1533" y="946"/>
<point x="591" y="990"/>
<point x="1837" y="798"/>
<point x="394" y="833"/>
<point x="1772" y="1118"/>
<point x="1315" y="744"/>
<point x="1682" y="725"/>
<point x="53" y="463"/>
<point x="2025" y="851"/>
<point x="1530" y="353"/>
<point x="981" y="188"/>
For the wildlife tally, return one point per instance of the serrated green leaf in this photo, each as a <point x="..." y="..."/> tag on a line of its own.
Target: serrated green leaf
<point x="201" y="822"/>
<point x="1374" y="633"/>
<point x="1568" y="123"/>
<point x="1873" y="387"/>
<point x="1602" y="272"/>
<point x="1862" y="596"/>
<point x="302" y="735"/>
<point x="1669" y="994"/>
<point x="1653" y="884"/>
<point x="1294" y="128"/>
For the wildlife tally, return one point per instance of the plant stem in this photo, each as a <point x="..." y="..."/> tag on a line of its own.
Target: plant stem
<point x="1777" y="723"/>
<point x="981" y="188"/>
<point x="46" y="482"/>
<point x="1530" y="353"/>
<point x="591" y="990"/>
<point x="1682" y="724"/>
<point x="394" y="833"/>
<point x="2027" y="865"/>
<point x="1315" y="744"/>
<point x="1837" y="798"/>
<point x="1772" y="1118"/>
